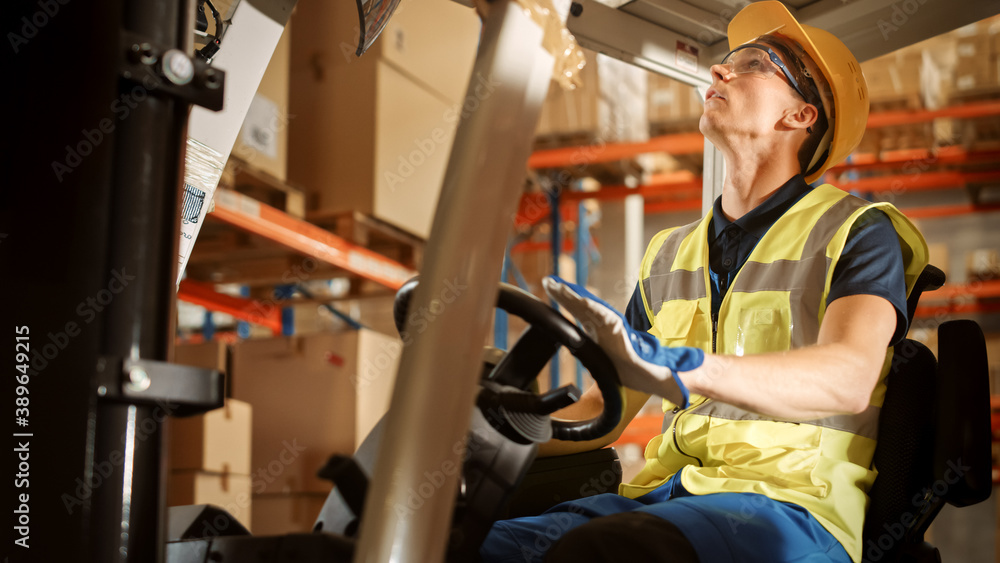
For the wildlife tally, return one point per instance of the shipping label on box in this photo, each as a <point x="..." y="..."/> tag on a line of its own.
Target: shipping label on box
<point x="263" y="137"/>
<point x="259" y="129"/>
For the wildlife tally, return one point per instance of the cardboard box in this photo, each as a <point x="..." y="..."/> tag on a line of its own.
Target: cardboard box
<point x="938" y="256"/>
<point x="670" y="100"/>
<point x="374" y="134"/>
<point x="893" y="76"/>
<point x="982" y="264"/>
<point x="290" y="513"/>
<point x="610" y="102"/>
<point x="263" y="139"/>
<point x="980" y="78"/>
<point x="213" y="354"/>
<point x="225" y="490"/>
<point x="217" y="441"/>
<point x="313" y="396"/>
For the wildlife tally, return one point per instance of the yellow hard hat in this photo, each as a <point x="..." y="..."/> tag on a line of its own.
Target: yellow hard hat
<point x="849" y="116"/>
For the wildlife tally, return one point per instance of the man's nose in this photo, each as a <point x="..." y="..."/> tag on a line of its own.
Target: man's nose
<point x="721" y="72"/>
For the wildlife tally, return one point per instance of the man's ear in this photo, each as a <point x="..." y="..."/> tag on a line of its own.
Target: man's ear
<point x="803" y="117"/>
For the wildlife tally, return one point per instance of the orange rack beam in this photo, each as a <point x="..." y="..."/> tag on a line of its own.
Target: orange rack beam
<point x="949" y="293"/>
<point x="906" y="117"/>
<point x="979" y="290"/>
<point x="668" y="206"/>
<point x="204" y="294"/>
<point x="915" y="160"/>
<point x="252" y="216"/>
<point x="565" y="157"/>
<point x="920" y="181"/>
<point x="931" y="212"/>
<point x="925" y="311"/>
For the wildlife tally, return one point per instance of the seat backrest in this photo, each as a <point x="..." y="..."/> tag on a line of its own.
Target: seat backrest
<point x="904" y="455"/>
<point x="934" y="440"/>
<point x="963" y="454"/>
<point x="934" y="443"/>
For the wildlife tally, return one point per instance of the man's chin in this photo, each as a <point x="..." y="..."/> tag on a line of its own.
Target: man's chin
<point x="709" y="128"/>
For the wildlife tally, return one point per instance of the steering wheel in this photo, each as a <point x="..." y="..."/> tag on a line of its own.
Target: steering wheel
<point x="505" y="388"/>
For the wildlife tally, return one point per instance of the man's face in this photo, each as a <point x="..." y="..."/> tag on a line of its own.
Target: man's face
<point x="748" y="98"/>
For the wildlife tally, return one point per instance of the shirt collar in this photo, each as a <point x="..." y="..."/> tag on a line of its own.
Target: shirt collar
<point x="760" y="218"/>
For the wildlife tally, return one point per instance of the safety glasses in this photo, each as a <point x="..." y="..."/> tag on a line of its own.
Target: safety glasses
<point x="761" y="60"/>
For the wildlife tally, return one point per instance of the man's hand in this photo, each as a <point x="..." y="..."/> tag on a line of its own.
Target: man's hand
<point x="642" y="362"/>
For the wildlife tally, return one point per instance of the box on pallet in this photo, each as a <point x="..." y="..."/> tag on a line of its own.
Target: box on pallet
<point x="610" y="103"/>
<point x="982" y="264"/>
<point x="263" y="139"/>
<point x="976" y="66"/>
<point x="218" y="440"/>
<point x="373" y="134"/>
<point x="225" y="490"/>
<point x="893" y="76"/>
<point x="670" y="100"/>
<point x="213" y="354"/>
<point x="313" y="396"/>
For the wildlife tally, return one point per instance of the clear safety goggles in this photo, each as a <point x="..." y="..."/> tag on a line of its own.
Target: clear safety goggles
<point x="761" y="60"/>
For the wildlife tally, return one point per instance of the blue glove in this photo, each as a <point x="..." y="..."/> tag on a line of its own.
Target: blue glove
<point x="642" y="362"/>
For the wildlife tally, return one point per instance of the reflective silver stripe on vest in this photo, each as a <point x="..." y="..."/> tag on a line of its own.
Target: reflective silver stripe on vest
<point x="677" y="284"/>
<point x="804" y="278"/>
<point x="864" y="424"/>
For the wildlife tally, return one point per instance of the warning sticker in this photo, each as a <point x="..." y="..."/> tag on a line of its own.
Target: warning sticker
<point x="687" y="57"/>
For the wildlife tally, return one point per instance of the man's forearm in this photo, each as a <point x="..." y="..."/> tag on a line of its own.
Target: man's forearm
<point x="835" y="376"/>
<point x="804" y="384"/>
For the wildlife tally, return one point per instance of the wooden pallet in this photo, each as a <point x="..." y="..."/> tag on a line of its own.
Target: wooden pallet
<point x="225" y="254"/>
<point x="243" y="177"/>
<point x="372" y="233"/>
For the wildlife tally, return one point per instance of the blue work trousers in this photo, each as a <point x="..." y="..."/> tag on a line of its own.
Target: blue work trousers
<point x="721" y="527"/>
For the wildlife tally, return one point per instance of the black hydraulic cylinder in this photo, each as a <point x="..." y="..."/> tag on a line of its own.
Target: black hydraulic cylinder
<point x="88" y="206"/>
<point x="128" y="522"/>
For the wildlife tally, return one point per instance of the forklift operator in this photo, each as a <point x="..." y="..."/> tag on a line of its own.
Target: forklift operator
<point x="766" y="327"/>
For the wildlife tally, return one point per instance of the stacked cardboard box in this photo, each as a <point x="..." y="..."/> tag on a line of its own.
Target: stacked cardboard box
<point x="670" y="100"/>
<point x="263" y="140"/>
<point x="313" y="396"/>
<point x="957" y="63"/>
<point x="610" y="103"/>
<point x="209" y="455"/>
<point x="894" y="76"/>
<point x="373" y="134"/>
<point x="210" y="460"/>
<point x="976" y="65"/>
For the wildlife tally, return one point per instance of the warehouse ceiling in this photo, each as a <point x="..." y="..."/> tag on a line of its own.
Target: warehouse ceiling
<point x="870" y="28"/>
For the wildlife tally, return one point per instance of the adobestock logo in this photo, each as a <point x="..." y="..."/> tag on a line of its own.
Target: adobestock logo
<point x="875" y="549"/>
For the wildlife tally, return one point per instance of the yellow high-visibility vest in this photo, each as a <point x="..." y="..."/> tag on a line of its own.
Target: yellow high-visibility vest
<point x="776" y="302"/>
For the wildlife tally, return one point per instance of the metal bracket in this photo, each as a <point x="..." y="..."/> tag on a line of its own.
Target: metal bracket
<point x="187" y="390"/>
<point x="157" y="68"/>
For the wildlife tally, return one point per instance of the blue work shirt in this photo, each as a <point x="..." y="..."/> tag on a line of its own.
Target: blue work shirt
<point x="870" y="264"/>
